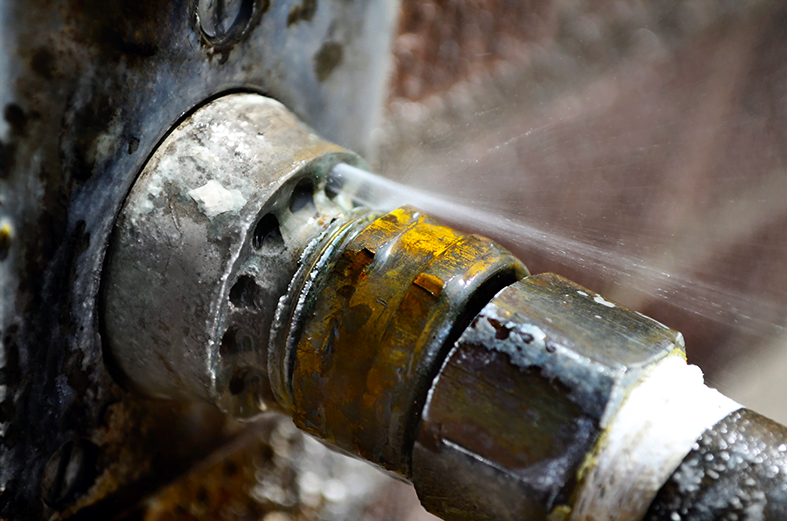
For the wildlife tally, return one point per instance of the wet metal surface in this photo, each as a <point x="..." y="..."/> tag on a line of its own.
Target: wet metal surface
<point x="89" y="87"/>
<point x="736" y="471"/>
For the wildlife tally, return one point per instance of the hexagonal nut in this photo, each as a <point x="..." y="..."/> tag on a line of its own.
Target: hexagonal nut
<point x="523" y="396"/>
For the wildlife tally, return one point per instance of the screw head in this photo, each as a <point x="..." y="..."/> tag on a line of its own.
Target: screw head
<point x="224" y="20"/>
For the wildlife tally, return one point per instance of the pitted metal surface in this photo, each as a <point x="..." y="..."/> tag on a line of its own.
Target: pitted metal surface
<point x="523" y="396"/>
<point x="206" y="245"/>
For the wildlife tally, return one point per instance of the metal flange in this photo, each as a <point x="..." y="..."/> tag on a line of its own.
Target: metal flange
<point x="206" y="244"/>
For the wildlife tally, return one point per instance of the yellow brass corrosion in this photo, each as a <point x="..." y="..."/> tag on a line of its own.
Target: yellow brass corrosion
<point x="396" y="297"/>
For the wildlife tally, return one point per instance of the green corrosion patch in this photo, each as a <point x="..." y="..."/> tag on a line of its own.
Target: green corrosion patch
<point x="327" y="59"/>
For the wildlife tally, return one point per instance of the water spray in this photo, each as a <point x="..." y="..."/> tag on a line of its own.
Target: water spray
<point x="241" y="273"/>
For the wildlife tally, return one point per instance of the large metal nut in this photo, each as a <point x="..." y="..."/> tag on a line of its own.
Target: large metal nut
<point x="523" y="396"/>
<point x="206" y="244"/>
<point x="377" y="326"/>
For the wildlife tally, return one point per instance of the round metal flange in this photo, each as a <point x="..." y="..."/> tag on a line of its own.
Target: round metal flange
<point x="206" y="244"/>
<point x="90" y="90"/>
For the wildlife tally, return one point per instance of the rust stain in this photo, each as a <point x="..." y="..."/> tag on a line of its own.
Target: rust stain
<point x="429" y="283"/>
<point x="377" y="326"/>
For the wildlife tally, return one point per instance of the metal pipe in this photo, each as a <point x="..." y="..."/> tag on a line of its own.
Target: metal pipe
<point x="234" y="276"/>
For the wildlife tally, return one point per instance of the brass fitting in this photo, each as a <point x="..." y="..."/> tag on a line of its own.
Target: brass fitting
<point x="392" y="302"/>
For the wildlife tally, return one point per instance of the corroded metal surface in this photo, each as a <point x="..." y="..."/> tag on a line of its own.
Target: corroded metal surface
<point x="97" y="84"/>
<point x="87" y="89"/>
<point x="137" y="446"/>
<point x="206" y="245"/>
<point x="379" y="324"/>
<point x="523" y="396"/>
<point x="313" y="270"/>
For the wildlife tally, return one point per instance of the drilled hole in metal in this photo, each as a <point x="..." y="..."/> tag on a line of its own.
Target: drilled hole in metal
<point x="238" y="382"/>
<point x="302" y="196"/>
<point x="246" y="293"/>
<point x="267" y="235"/>
<point x="229" y="342"/>
<point x="234" y="341"/>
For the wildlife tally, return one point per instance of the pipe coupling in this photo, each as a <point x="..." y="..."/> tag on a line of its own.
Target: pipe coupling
<point x="387" y="306"/>
<point x="208" y="240"/>
<point x="523" y="397"/>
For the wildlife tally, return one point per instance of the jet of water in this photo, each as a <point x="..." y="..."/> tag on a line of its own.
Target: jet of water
<point x="688" y="293"/>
